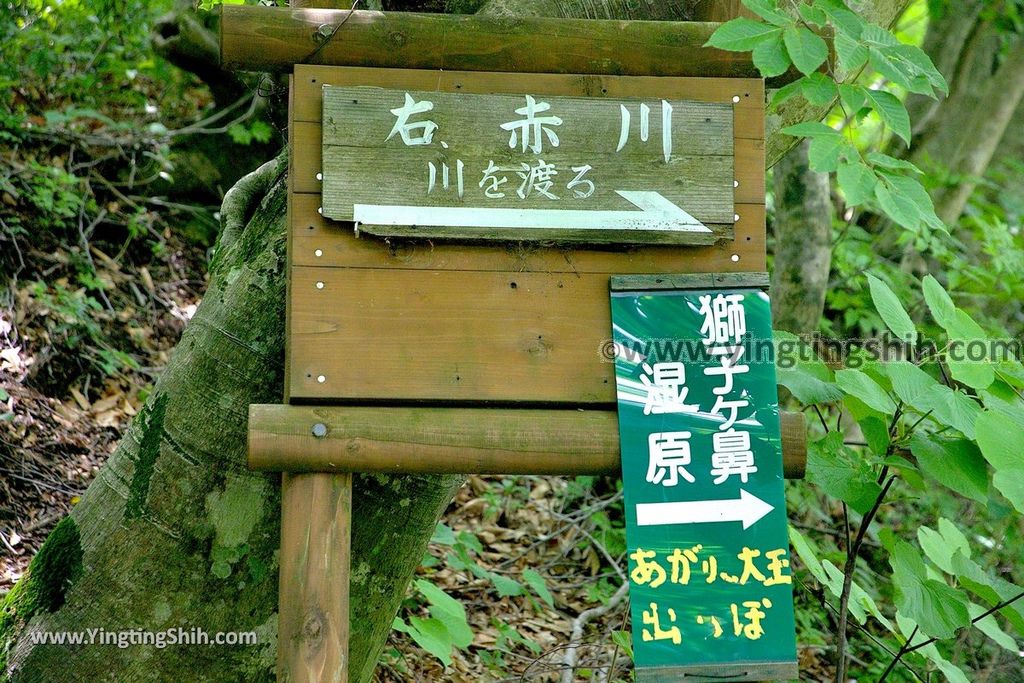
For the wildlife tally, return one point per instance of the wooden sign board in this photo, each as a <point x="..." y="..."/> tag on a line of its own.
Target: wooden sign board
<point x="522" y="167"/>
<point x="397" y="320"/>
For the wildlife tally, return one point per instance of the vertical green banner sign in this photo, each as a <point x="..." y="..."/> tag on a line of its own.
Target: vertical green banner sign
<point x="710" y="582"/>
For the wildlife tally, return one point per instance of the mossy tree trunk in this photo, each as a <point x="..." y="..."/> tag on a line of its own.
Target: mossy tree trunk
<point x="176" y="532"/>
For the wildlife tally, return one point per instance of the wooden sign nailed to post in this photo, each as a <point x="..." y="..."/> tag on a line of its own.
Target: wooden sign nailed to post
<point x="449" y="263"/>
<point x="596" y="170"/>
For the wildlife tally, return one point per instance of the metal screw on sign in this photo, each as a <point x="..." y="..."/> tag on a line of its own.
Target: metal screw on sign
<point x="319" y="430"/>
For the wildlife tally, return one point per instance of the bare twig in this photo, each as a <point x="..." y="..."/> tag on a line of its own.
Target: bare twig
<point x="569" y="658"/>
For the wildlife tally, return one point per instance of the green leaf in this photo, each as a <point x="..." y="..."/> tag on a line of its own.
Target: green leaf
<point x="939" y="303"/>
<point x="625" y="641"/>
<point x="852" y="55"/>
<point x="889" y="307"/>
<point x="818" y="89"/>
<point x="786" y="92"/>
<point x="990" y="627"/>
<point x="847" y="23"/>
<point x="902" y="210"/>
<point x="539" y="586"/>
<point x="432" y="636"/>
<point x="955" y="463"/>
<point x="824" y="151"/>
<point x="891" y="111"/>
<point x="908" y="627"/>
<point x="922" y="392"/>
<point x="914" y="191"/>
<point x="886" y="161"/>
<point x="812" y="14"/>
<point x="770" y="57"/>
<point x="443" y="535"/>
<point x="991" y="589"/>
<point x="806" y="48"/>
<point x="801" y="371"/>
<point x="769" y="11"/>
<point x="742" y="35"/>
<point x="857" y="181"/>
<point x="937" y="608"/>
<point x="840" y="473"/>
<point x="505" y="585"/>
<point x="941" y="545"/>
<point x="1001" y="442"/>
<point x="853" y="97"/>
<point x="866" y="389"/>
<point x="4" y="396"/>
<point x="448" y="611"/>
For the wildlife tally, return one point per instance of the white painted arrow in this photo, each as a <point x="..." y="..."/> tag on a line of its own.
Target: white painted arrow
<point x="656" y="213"/>
<point x="747" y="509"/>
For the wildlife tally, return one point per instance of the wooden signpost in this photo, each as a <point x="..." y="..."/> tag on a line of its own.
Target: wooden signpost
<point x="453" y="229"/>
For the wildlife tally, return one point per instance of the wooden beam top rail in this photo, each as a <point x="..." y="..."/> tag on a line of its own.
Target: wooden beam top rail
<point x="454" y="440"/>
<point x="276" y="38"/>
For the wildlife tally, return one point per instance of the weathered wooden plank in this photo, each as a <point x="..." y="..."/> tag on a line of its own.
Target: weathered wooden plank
<point x="749" y="119"/>
<point x="500" y="162"/>
<point x="313" y="613"/>
<point x="274" y="38"/>
<point x="627" y="283"/>
<point x="376" y="334"/>
<point x="320" y="242"/>
<point x="454" y="440"/>
<point x="748" y="164"/>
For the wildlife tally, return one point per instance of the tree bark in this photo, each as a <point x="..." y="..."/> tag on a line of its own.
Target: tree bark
<point x="803" y="243"/>
<point x="176" y="532"/>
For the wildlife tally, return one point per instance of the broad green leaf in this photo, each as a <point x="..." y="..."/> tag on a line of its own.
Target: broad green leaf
<point x="991" y="589"/>
<point x="443" y="535"/>
<point x="939" y="303"/>
<point x="922" y="392"/>
<point x="886" y="161"/>
<point x="889" y="307"/>
<point x="1002" y="443"/>
<point x="742" y="35"/>
<point x="840" y="473"/>
<point x="808" y="554"/>
<point x="955" y="463"/>
<point x="448" y="611"/>
<point x="939" y="609"/>
<point x="902" y="210"/>
<point x="847" y="23"/>
<point x="861" y="604"/>
<point x="806" y="48"/>
<point x="770" y="57"/>
<point x="800" y="370"/>
<point x="857" y="182"/>
<point x="940" y="546"/>
<point x="785" y="92"/>
<point x="432" y="635"/>
<point x="918" y="60"/>
<point x="769" y="11"/>
<point x="914" y="191"/>
<point x="818" y="89"/>
<point x="952" y="673"/>
<point x="624" y="640"/>
<point x="505" y="585"/>
<point x="812" y="14"/>
<point x="824" y="152"/>
<point x="891" y="111"/>
<point x="853" y="97"/>
<point x="535" y="581"/>
<point x="866" y="389"/>
<point x="851" y="53"/>
<point x="990" y="627"/>
<point x="4" y="396"/>
<point x="968" y="358"/>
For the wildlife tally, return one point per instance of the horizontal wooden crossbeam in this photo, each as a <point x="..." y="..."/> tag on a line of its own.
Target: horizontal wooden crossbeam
<point x="260" y="38"/>
<point x="291" y="438"/>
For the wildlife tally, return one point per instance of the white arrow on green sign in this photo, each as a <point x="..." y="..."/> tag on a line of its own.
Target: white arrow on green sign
<point x="748" y="509"/>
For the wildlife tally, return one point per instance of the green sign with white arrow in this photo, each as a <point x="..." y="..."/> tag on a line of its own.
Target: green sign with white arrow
<point x="710" y="582"/>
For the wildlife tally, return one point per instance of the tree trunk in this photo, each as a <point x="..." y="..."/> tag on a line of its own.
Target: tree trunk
<point x="176" y="532"/>
<point x="803" y="243"/>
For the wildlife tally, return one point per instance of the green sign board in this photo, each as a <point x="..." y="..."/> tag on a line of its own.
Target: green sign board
<point x="710" y="582"/>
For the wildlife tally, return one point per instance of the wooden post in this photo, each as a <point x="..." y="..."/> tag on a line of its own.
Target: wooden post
<point x="316" y="539"/>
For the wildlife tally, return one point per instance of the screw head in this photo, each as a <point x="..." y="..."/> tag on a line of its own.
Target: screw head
<point x="319" y="430"/>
